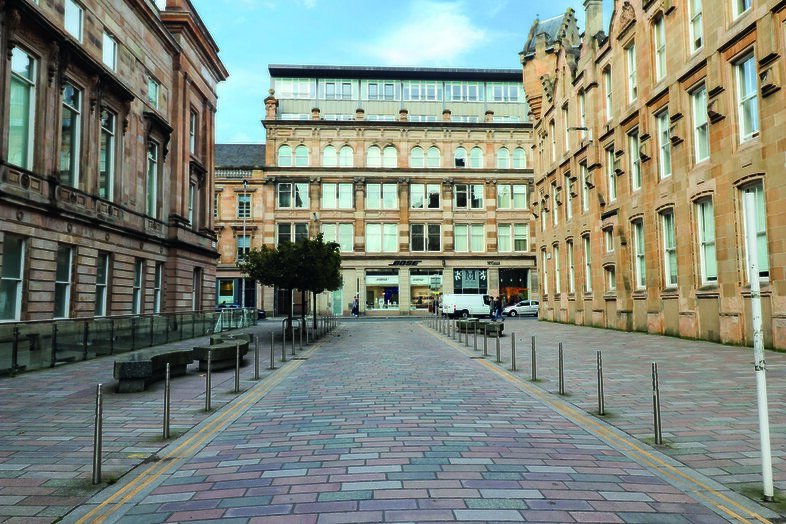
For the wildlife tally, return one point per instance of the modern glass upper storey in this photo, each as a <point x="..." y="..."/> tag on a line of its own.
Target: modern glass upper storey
<point x="382" y="92"/>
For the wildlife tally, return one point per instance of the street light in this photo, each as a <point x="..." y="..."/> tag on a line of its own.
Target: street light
<point x="245" y="240"/>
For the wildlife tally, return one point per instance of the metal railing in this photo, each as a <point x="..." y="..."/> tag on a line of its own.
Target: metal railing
<point x="25" y="346"/>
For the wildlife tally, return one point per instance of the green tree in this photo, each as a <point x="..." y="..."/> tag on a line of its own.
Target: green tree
<point x="322" y="268"/>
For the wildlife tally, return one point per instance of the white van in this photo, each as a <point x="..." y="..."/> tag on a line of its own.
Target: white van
<point x="460" y="305"/>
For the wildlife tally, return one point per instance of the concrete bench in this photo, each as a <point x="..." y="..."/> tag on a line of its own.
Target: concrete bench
<point x="134" y="372"/>
<point x="492" y="329"/>
<point x="223" y="350"/>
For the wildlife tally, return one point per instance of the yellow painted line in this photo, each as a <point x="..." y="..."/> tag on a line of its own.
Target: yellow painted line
<point x="731" y="507"/>
<point x="192" y="443"/>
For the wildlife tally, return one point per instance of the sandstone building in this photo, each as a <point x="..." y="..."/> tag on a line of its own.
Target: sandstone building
<point x="106" y="159"/>
<point x="649" y="140"/>
<point x="421" y="175"/>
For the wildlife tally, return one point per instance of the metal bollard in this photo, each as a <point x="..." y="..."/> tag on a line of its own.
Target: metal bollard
<point x="272" y="352"/>
<point x="208" y="379"/>
<point x="499" y="354"/>
<point x="237" y="367"/>
<point x="485" y="340"/>
<point x="458" y="331"/>
<point x="293" y="341"/>
<point x="97" y="436"/>
<point x="301" y="337"/>
<point x="656" y="403"/>
<point x="284" y="345"/>
<point x="166" y="402"/>
<point x="475" y="337"/>
<point x="534" y="361"/>
<point x="256" y="357"/>
<point x="601" y="403"/>
<point x="561" y="372"/>
<point x="513" y="351"/>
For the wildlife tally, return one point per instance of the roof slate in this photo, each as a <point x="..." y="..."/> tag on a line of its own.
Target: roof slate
<point x="240" y="155"/>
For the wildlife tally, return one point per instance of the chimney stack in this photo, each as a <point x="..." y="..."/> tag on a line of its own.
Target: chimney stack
<point x="593" y="10"/>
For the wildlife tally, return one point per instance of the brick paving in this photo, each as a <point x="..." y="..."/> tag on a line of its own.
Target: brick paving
<point x="387" y="421"/>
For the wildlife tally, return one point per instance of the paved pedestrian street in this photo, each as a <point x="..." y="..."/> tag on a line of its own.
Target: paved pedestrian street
<point x="389" y="421"/>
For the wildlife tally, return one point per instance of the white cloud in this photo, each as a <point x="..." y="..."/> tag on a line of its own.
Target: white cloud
<point x="432" y="33"/>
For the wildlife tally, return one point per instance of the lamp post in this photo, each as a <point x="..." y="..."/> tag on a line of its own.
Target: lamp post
<point x="245" y="241"/>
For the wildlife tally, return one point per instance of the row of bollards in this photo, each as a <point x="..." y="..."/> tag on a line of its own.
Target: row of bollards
<point x="324" y="325"/>
<point x="444" y="326"/>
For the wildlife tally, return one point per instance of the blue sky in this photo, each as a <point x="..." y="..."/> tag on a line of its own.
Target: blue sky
<point x="434" y="33"/>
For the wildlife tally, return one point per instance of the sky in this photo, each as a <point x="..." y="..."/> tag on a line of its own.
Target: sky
<point x="251" y="34"/>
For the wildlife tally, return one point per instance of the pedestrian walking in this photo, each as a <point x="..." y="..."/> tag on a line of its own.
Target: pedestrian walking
<point x="355" y="306"/>
<point x="498" y="305"/>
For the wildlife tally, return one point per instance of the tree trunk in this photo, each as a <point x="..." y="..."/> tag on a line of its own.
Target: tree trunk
<point x="315" y="310"/>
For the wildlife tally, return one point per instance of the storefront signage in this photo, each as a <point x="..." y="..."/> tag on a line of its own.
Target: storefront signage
<point x="493" y="262"/>
<point x="425" y="280"/>
<point x="380" y="280"/>
<point x="405" y="263"/>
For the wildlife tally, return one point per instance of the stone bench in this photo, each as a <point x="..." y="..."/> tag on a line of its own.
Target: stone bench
<point x="492" y="329"/>
<point x="139" y="369"/>
<point x="223" y="350"/>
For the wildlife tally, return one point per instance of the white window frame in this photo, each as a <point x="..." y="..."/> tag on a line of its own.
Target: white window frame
<point x="476" y="158"/>
<point x="106" y="155"/>
<point x="608" y="236"/>
<point x="244" y="206"/>
<point x="192" y="189"/>
<point x="566" y="129"/>
<point x="426" y="233"/>
<point x="153" y="91"/>
<point x="137" y="286"/>
<point x="611" y="175"/>
<point x="571" y="268"/>
<point x="568" y="184"/>
<point x="301" y="156"/>
<point x="469" y="238"/>
<point x="659" y="45"/>
<point x="342" y="234"/>
<point x="519" y="158"/>
<point x="21" y="123"/>
<point x="373" y="157"/>
<point x="70" y="137"/>
<point x="545" y="263"/>
<point x="695" y="24"/>
<point x="587" y="264"/>
<point x="512" y="238"/>
<point x="243" y="246"/>
<point x="11" y="281"/>
<point x="608" y="87"/>
<point x="346" y="157"/>
<point x="473" y="195"/>
<point x="705" y="229"/>
<point x="747" y="97"/>
<point x="296" y="232"/>
<point x="664" y="144"/>
<point x="420" y="196"/>
<point x="583" y="114"/>
<point x="381" y="196"/>
<point x="512" y="196"/>
<point x="102" y="284"/>
<point x="639" y="261"/>
<point x="740" y="7"/>
<point x="760" y="217"/>
<point x="611" y="278"/>
<point x="557" y="286"/>
<point x="284" y="156"/>
<point x="669" y="234"/>
<point x="554" y="214"/>
<point x="584" y="189"/>
<point x="553" y="140"/>
<point x="634" y="159"/>
<point x="417" y="158"/>
<point x="109" y="51"/>
<point x="152" y="176"/>
<point x="337" y="195"/>
<point x="503" y="158"/>
<point x="386" y="234"/>
<point x="74" y="19"/>
<point x="433" y="158"/>
<point x="630" y="53"/>
<point x="296" y="193"/>
<point x="701" y="128"/>
<point x="158" y="286"/>
<point x="192" y="132"/>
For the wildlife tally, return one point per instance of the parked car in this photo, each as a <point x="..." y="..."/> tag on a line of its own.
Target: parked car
<point x="524" y="307"/>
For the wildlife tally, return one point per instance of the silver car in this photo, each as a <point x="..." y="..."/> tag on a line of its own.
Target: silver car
<point x="525" y="307"/>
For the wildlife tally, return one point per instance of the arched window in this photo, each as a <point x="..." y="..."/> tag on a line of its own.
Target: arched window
<point x="389" y="157"/>
<point x="285" y="156"/>
<point x="519" y="158"/>
<point x="460" y="157"/>
<point x="301" y="156"/>
<point x="345" y="157"/>
<point x="416" y="157"/>
<point x="329" y="157"/>
<point x="503" y="158"/>
<point x="433" y="157"/>
<point x="476" y="158"/>
<point x="373" y="157"/>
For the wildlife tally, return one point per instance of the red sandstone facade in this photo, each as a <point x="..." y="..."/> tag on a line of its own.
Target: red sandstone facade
<point x="106" y="159"/>
<point x="649" y="138"/>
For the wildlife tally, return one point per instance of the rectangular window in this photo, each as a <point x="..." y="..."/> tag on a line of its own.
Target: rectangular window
<point x="587" y="265"/>
<point x="512" y="237"/>
<point x="381" y="91"/>
<point x="669" y="249"/>
<point x="553" y="137"/>
<point x="102" y="284"/>
<point x="545" y="264"/>
<point x="21" y="118"/>
<point x="611" y="175"/>
<point x="696" y="27"/>
<point x="216" y="200"/>
<point x="639" y="265"/>
<point x="571" y="269"/>
<point x="106" y="156"/>
<point x="469" y="238"/>
<point x="583" y="114"/>
<point x="469" y="196"/>
<point x="424" y="196"/>
<point x="11" y="277"/>
<point x="337" y="90"/>
<point x="192" y="130"/>
<point x="420" y="90"/>
<point x="568" y="197"/>
<point x="635" y="159"/>
<point x="757" y="210"/>
<point x="705" y="217"/>
<point x="74" y="19"/>
<point x="158" y="283"/>
<point x="557" y="288"/>
<point x="425" y="237"/>
<point x="659" y="36"/>
<point x="336" y="196"/>
<point x="740" y="6"/>
<point x="153" y="88"/>
<point x="565" y="130"/>
<point x="511" y="196"/>
<point x="611" y="278"/>
<point x="701" y="133"/>
<point x="747" y="98"/>
<point x="196" y="289"/>
<point x="295" y="233"/>
<point x="293" y="195"/>
<point x="151" y="202"/>
<point x="554" y="214"/>
<point x="608" y="235"/>
<point x="342" y="234"/>
<point x="664" y="144"/>
<point x="109" y="52"/>
<point x="136" y="292"/>
<point x="63" y="282"/>
<point x="630" y="52"/>
<point x="381" y="238"/>
<point x="381" y="196"/>
<point x="191" y="202"/>
<point x="70" y="134"/>
<point x="584" y="189"/>
<point x="294" y="88"/>
<point x="243" y="206"/>
<point x="607" y="85"/>
<point x="244" y="246"/>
